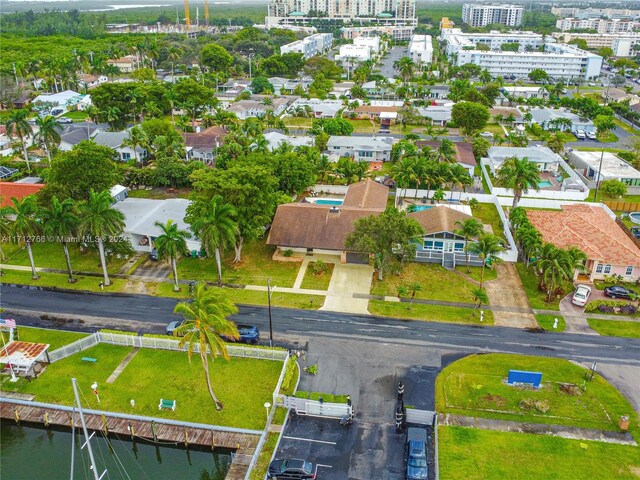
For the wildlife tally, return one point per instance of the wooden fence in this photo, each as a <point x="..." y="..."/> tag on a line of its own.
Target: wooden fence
<point x="617" y="206"/>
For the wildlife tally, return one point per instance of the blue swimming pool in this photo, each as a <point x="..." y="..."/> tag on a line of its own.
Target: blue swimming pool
<point x="322" y="201"/>
<point x="419" y="208"/>
<point x="545" y="184"/>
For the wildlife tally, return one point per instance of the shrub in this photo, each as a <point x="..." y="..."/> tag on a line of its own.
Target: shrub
<point x="302" y="394"/>
<point x="289" y="376"/>
<point x="287" y="253"/>
<point x="611" y="306"/>
<point x="318" y="267"/>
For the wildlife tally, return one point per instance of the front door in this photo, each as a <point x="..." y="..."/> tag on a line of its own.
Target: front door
<point x="448" y="247"/>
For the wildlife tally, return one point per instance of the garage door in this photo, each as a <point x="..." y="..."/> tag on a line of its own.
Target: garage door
<point x="360" y="258"/>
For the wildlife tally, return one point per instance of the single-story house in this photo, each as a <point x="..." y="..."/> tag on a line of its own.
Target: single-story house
<point x="256" y="108"/>
<point x="525" y="92"/>
<point x="374" y="111"/>
<point x="61" y="100"/>
<point x="115" y="140"/>
<point x="311" y="227"/>
<point x="140" y="215"/>
<point x="126" y="64"/>
<point x="342" y="88"/>
<point x="600" y="166"/>
<point x="316" y="107"/>
<point x="370" y="149"/>
<point x="560" y="119"/>
<point x="440" y="115"/>
<point x="506" y="112"/>
<point x="438" y="91"/>
<point x="9" y="190"/>
<point x="119" y="193"/>
<point x="276" y="139"/>
<point x="544" y="157"/>
<point x="439" y="243"/>
<point x="88" y="80"/>
<point x="588" y="227"/>
<point x="464" y="153"/>
<point x="202" y="145"/>
<point x="283" y="86"/>
<point x="71" y="135"/>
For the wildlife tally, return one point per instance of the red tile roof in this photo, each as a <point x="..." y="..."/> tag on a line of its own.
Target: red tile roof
<point x="8" y="190"/>
<point x="22" y="353"/>
<point x="590" y="229"/>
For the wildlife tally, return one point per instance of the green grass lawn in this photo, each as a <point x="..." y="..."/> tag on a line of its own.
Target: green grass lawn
<point x="610" y="137"/>
<point x="317" y="281"/>
<point x="55" y="338"/>
<point x="51" y="255"/>
<point x="242" y="384"/>
<point x="59" y="280"/>
<point x="160" y="193"/>
<point x="547" y="321"/>
<point x="260" y="469"/>
<point x="475" y="386"/>
<point x="626" y="127"/>
<point x="615" y="328"/>
<point x="256" y="267"/>
<point x="77" y="115"/>
<point x="489" y="273"/>
<point x="487" y="214"/>
<point x="434" y="313"/>
<point x="475" y="454"/>
<point x="537" y="298"/>
<point x="436" y="282"/>
<point x="278" y="299"/>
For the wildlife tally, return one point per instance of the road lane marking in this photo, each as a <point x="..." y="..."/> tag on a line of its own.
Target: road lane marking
<point x="309" y="440"/>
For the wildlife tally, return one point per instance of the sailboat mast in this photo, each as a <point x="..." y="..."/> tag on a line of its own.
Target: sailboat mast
<point x="86" y="433"/>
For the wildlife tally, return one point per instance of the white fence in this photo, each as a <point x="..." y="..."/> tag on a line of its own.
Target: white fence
<point x="331" y="189"/>
<point x="316" y="408"/>
<point x="160" y="344"/>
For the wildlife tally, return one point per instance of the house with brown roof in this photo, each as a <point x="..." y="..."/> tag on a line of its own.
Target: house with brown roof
<point x="608" y="248"/>
<point x="464" y="153"/>
<point x="203" y="145"/>
<point x="440" y="243"/>
<point x="320" y="228"/>
<point x="374" y="111"/>
<point x="9" y="190"/>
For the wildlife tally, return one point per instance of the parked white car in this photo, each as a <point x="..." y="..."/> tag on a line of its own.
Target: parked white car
<point x="581" y="295"/>
<point x="591" y="135"/>
<point x="580" y="135"/>
<point x="486" y="135"/>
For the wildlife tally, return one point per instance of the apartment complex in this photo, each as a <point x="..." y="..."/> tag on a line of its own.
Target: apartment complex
<point x="385" y="12"/>
<point x="595" y="12"/>
<point x="363" y="49"/>
<point x="421" y="49"/>
<point x="479" y="15"/>
<point x="558" y="60"/>
<point x="621" y="44"/>
<point x="600" y="25"/>
<point x="310" y="46"/>
<point x="397" y="32"/>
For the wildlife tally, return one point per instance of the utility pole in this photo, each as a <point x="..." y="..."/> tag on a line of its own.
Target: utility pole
<point x="250" y="57"/>
<point x="270" y="320"/>
<point x="595" y="198"/>
<point x="15" y="74"/>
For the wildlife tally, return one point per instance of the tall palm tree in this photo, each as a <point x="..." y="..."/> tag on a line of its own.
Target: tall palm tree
<point x="61" y="222"/>
<point x="99" y="220"/>
<point x="556" y="266"/>
<point x="205" y="320"/>
<point x="556" y="143"/>
<point x="5" y="226"/>
<point x="25" y="225"/>
<point x="518" y="174"/>
<point x="447" y="150"/>
<point x="137" y="138"/>
<point x="487" y="248"/>
<point x="469" y="229"/>
<point x="403" y="173"/>
<point x="530" y="241"/>
<point x="48" y="133"/>
<point x="172" y="243"/>
<point x="406" y="67"/>
<point x="17" y="123"/>
<point x="214" y="223"/>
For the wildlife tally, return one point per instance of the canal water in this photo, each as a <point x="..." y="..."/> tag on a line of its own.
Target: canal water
<point x="30" y="452"/>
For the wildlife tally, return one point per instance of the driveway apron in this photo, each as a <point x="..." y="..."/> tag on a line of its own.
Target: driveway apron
<point x="348" y="280"/>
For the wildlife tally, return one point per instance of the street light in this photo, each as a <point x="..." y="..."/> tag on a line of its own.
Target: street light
<point x="267" y="406"/>
<point x="269" y="303"/>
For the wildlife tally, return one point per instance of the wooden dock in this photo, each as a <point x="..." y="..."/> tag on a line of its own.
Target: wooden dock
<point x="243" y="444"/>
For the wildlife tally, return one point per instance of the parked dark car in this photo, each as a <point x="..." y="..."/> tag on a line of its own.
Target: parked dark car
<point x="416" y="454"/>
<point x="292" y="468"/>
<point x="248" y="334"/>
<point x="153" y="255"/>
<point x="618" y="291"/>
<point x="636" y="232"/>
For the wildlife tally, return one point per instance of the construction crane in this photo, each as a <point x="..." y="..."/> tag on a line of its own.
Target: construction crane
<point x="187" y="18"/>
<point x="206" y="12"/>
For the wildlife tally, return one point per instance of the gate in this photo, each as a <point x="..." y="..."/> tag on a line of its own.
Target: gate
<point x="358" y="258"/>
<point x="316" y="408"/>
<point x="423" y="417"/>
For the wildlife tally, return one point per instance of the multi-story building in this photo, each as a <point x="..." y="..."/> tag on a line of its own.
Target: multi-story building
<point x="397" y="32"/>
<point x="385" y="12"/>
<point x="446" y="23"/>
<point x="363" y="49"/>
<point x="621" y="44"/>
<point x="595" y="12"/>
<point x="478" y="15"/>
<point x="421" y="49"/>
<point x="600" y="25"/>
<point x="310" y="46"/>
<point x="558" y="60"/>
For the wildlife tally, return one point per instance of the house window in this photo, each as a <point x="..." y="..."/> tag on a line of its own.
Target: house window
<point x="629" y="270"/>
<point x="438" y="246"/>
<point x="607" y="268"/>
<point x="428" y="245"/>
<point x="599" y="268"/>
<point x="126" y="156"/>
<point x="458" y="247"/>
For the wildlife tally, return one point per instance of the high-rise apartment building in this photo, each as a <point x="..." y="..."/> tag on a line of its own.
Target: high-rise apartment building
<point x="600" y="25"/>
<point x="477" y="15"/>
<point x="386" y="12"/>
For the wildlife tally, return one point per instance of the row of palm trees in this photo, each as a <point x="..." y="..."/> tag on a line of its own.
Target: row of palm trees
<point x="66" y="221"/>
<point x="554" y="266"/>
<point x="48" y="134"/>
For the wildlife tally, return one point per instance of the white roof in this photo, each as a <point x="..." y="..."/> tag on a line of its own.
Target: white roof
<point x="612" y="165"/>
<point x="117" y="190"/>
<point x="61" y="98"/>
<point x="365" y="143"/>
<point x="276" y="139"/>
<point x="141" y="214"/>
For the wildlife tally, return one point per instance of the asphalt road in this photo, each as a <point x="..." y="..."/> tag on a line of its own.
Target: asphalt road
<point x="289" y="323"/>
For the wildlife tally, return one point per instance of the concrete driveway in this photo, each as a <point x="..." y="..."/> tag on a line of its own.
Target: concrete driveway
<point x="349" y="281"/>
<point x="507" y="291"/>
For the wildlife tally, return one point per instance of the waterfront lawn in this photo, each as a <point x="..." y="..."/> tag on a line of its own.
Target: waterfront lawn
<point x="242" y="384"/>
<point x="475" y="386"/>
<point x="546" y="322"/>
<point x="434" y="313"/>
<point x="256" y="267"/>
<point x="436" y="283"/>
<point x="615" y="328"/>
<point x="55" y="338"/>
<point x="475" y="454"/>
<point x="317" y="281"/>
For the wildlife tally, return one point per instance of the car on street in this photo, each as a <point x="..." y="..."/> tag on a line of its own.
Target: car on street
<point x="618" y="291"/>
<point x="416" y="454"/>
<point x="580" y="135"/>
<point x="486" y="135"/>
<point x="591" y="135"/>
<point x="292" y="469"/>
<point x="581" y="295"/>
<point x="64" y="120"/>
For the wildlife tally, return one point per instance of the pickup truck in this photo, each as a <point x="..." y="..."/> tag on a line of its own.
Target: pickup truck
<point x="416" y="454"/>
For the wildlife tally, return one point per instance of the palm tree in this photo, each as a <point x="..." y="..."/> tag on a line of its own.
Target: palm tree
<point x="48" y="133"/>
<point x="214" y="224"/>
<point x="99" y="220"/>
<point x="205" y="320"/>
<point x="556" y="266"/>
<point x="518" y="174"/>
<point x="137" y="138"/>
<point x="17" y="123"/>
<point x="469" y="228"/>
<point x="61" y="222"/>
<point x="25" y="225"/>
<point x="447" y="150"/>
<point x="406" y="67"/>
<point x="487" y="247"/>
<point x="172" y="243"/>
<point x="5" y="227"/>
<point x="556" y="143"/>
